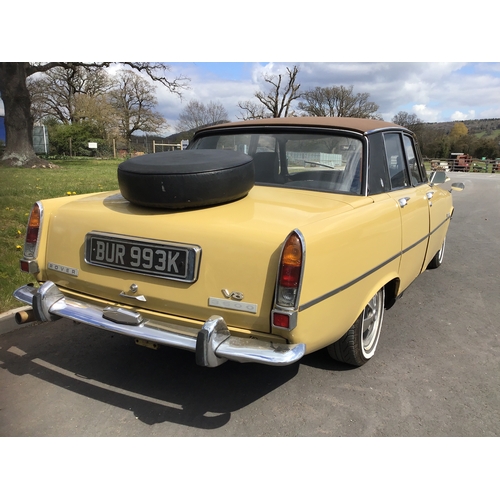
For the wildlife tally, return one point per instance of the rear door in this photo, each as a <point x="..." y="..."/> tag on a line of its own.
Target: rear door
<point x="409" y="189"/>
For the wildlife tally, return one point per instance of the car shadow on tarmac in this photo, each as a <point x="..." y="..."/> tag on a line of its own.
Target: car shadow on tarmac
<point x="163" y="385"/>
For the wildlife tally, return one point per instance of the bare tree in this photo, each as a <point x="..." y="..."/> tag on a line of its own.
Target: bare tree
<point x="133" y="99"/>
<point x="253" y="110"/>
<point x="277" y="100"/>
<point x="408" y="120"/>
<point x="17" y="101"/>
<point x="338" y="101"/>
<point x="196" y="115"/>
<point x="54" y="93"/>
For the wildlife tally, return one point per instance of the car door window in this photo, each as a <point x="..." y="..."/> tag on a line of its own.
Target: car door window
<point x="396" y="162"/>
<point x="414" y="167"/>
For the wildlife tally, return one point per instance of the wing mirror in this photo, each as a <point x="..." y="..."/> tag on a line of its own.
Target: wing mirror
<point x="440" y="177"/>
<point x="457" y="186"/>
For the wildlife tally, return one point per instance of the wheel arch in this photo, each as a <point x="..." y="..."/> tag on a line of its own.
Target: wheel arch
<point x="391" y="292"/>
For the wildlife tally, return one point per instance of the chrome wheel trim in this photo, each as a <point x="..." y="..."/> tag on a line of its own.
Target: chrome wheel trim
<point x="440" y="255"/>
<point x="372" y="324"/>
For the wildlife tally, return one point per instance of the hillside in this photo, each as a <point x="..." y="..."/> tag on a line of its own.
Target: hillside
<point x="483" y="127"/>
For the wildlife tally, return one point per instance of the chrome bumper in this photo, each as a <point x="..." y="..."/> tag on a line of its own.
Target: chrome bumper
<point x="213" y="344"/>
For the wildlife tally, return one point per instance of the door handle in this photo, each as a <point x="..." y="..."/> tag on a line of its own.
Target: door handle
<point x="430" y="194"/>
<point x="404" y="201"/>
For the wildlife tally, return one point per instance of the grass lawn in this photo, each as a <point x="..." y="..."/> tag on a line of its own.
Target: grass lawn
<point x="20" y="188"/>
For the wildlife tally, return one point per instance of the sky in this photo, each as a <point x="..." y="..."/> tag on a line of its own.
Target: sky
<point x="434" y="91"/>
<point x="396" y="55"/>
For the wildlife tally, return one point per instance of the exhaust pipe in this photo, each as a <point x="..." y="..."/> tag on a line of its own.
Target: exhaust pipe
<point x="27" y="316"/>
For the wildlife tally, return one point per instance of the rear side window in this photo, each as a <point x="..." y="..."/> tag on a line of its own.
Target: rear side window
<point x="396" y="161"/>
<point x="416" y="172"/>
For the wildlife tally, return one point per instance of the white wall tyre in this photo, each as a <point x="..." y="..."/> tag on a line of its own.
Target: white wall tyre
<point x="437" y="260"/>
<point x="360" y="342"/>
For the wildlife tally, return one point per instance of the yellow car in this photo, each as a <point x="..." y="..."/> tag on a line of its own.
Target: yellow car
<point x="262" y="242"/>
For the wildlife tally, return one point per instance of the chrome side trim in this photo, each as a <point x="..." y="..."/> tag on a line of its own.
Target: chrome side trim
<point x="213" y="343"/>
<point x="347" y="285"/>
<point x="327" y="295"/>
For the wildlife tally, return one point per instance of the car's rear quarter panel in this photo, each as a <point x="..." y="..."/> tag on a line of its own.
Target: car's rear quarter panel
<point x="341" y="275"/>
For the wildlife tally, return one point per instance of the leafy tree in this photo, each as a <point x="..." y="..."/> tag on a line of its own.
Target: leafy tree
<point x="17" y="101"/>
<point x="277" y="100"/>
<point x="486" y="148"/>
<point x="443" y="150"/>
<point x="459" y="129"/>
<point x="196" y="114"/>
<point x="338" y="101"/>
<point x="66" y="139"/>
<point x="133" y="99"/>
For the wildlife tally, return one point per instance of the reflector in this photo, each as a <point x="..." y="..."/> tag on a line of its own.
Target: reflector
<point x="281" y="320"/>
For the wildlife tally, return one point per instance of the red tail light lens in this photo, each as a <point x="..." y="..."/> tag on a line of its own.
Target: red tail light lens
<point x="32" y="231"/>
<point x="291" y="262"/>
<point x="33" y="225"/>
<point x="290" y="271"/>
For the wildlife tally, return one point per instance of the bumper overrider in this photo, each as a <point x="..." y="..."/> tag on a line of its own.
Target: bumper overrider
<point x="213" y="343"/>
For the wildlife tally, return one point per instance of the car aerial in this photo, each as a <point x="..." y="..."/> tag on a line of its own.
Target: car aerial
<point x="264" y="241"/>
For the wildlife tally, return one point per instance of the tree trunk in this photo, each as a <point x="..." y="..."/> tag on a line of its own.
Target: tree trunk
<point x="19" y="150"/>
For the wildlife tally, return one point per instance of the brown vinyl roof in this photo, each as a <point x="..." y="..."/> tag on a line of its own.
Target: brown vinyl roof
<point x="357" y="124"/>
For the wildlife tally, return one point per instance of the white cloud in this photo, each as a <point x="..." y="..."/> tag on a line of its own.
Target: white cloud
<point x="425" y="114"/>
<point x="459" y="116"/>
<point x="433" y="91"/>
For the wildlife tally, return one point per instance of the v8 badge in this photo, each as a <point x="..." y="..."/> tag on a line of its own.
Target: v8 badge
<point x="232" y="295"/>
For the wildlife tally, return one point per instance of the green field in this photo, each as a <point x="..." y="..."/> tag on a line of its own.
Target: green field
<point x="20" y="188"/>
<point x="493" y="135"/>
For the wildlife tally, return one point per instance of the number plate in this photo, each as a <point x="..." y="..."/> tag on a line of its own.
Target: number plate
<point x="149" y="257"/>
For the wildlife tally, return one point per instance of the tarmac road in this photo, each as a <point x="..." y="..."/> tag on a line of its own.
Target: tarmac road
<point x="436" y="371"/>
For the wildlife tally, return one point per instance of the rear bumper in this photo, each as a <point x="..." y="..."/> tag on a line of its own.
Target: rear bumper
<point x="213" y="343"/>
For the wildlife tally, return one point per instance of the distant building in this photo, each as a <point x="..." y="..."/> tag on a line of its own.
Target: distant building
<point x="2" y="129"/>
<point x="41" y="140"/>
<point x="40" y="137"/>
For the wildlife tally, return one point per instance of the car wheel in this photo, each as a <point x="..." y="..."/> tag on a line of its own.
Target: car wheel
<point x="186" y="179"/>
<point x="437" y="260"/>
<point x="358" y="345"/>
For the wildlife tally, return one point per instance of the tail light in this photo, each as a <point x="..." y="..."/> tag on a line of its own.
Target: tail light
<point x="288" y="284"/>
<point x="31" y="243"/>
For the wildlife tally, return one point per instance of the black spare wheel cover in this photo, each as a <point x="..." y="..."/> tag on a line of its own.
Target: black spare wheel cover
<point x="183" y="179"/>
